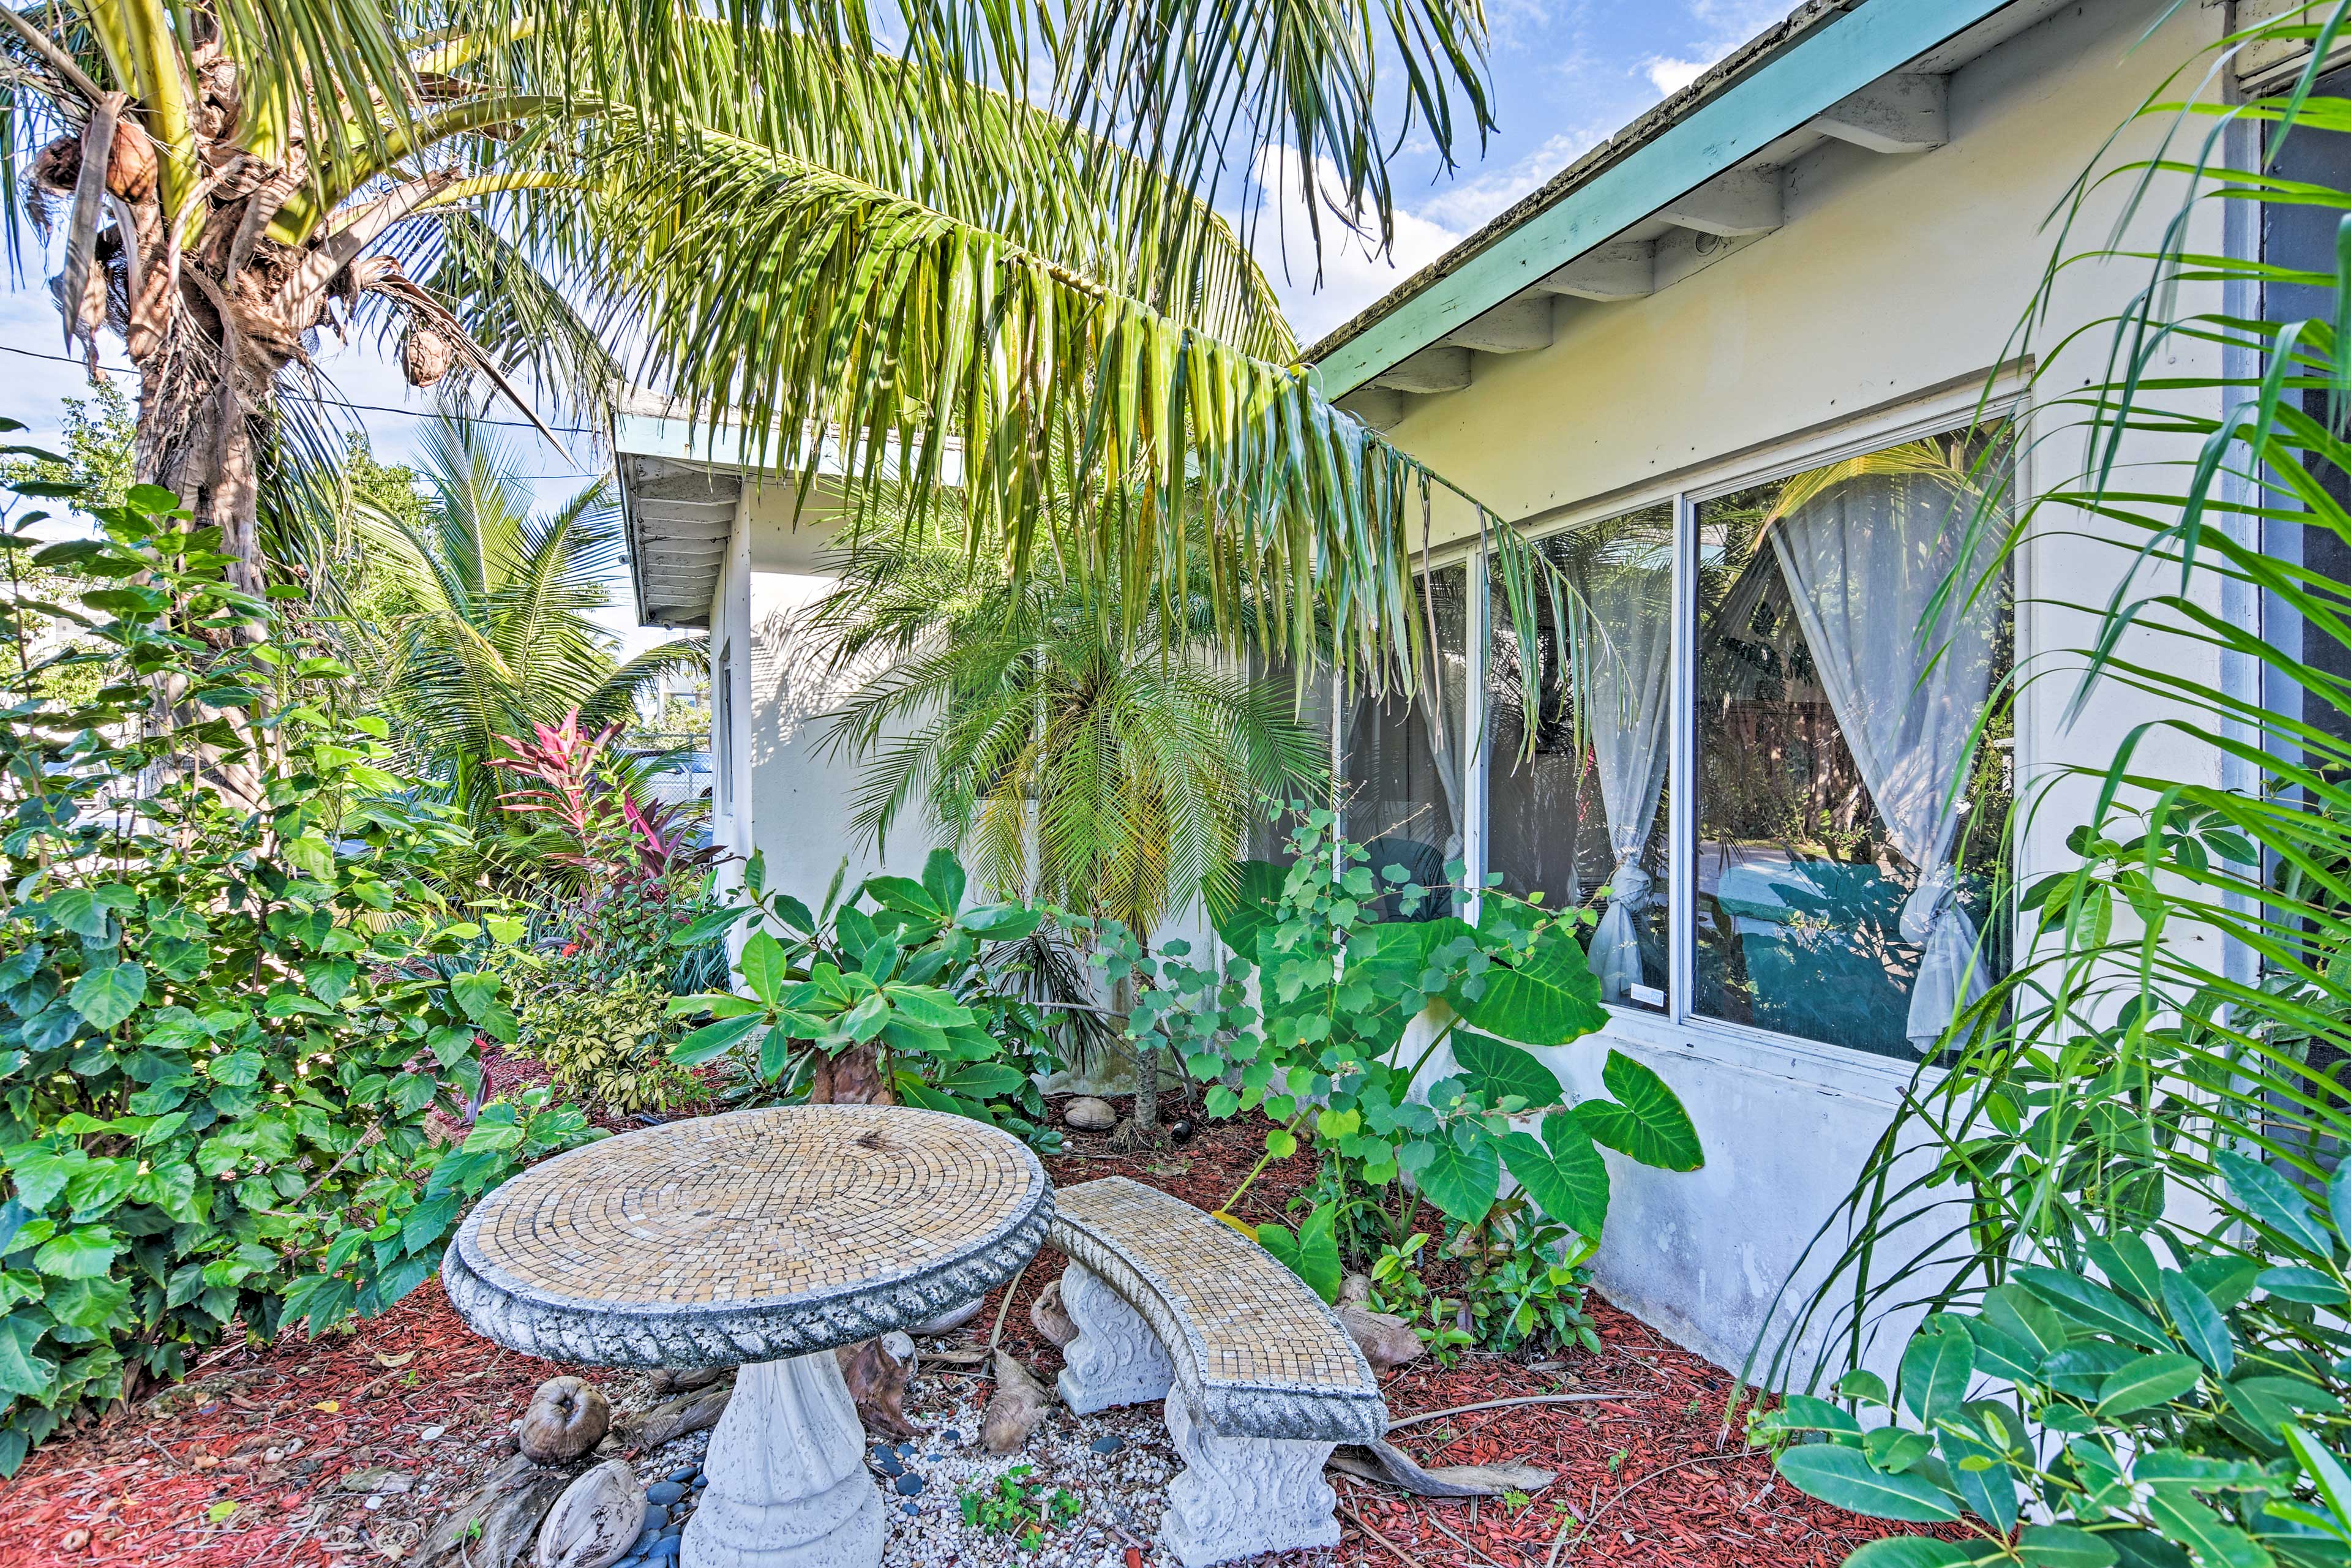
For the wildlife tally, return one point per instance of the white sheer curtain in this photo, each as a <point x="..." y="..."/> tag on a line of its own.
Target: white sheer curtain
<point x="1627" y="653"/>
<point x="1862" y="562"/>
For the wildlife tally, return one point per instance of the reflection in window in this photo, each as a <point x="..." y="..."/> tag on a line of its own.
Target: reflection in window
<point x="1586" y="809"/>
<point x="1839" y="879"/>
<point x="1404" y="776"/>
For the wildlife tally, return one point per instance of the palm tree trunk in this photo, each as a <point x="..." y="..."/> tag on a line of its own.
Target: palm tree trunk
<point x="853" y="1077"/>
<point x="202" y="418"/>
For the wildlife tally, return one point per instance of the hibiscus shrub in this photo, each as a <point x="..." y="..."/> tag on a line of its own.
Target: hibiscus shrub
<point x="230" y="995"/>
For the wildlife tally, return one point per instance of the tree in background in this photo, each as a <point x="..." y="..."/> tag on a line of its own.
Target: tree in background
<point x="485" y="630"/>
<point x="1113" y="772"/>
<point x="834" y="239"/>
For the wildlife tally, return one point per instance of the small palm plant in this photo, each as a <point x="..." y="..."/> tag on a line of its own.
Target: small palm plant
<point x="1070" y="757"/>
<point x="486" y="630"/>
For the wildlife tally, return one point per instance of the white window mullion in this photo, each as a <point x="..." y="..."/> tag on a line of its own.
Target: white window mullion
<point x="1681" y="772"/>
<point x="1473" y="731"/>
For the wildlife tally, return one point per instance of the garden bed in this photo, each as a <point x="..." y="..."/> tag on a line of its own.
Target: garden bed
<point x="349" y="1450"/>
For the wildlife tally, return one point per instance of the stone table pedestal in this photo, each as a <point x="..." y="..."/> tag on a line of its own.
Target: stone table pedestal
<point x="760" y="1239"/>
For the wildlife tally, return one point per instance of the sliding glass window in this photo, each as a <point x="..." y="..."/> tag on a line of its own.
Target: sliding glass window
<point x="1405" y="782"/>
<point x="1851" y="630"/>
<point x="1585" y="807"/>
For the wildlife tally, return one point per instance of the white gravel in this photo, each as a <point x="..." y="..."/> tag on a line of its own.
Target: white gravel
<point x="1125" y="1488"/>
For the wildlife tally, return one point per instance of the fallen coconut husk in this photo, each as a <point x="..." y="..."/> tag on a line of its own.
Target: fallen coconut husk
<point x="674" y="1419"/>
<point x="1383" y="1461"/>
<point x="1019" y="1404"/>
<point x="595" y="1521"/>
<point x="878" y="1371"/>
<point x="1050" y="1318"/>
<point x="568" y="1417"/>
<point x="506" y="1507"/>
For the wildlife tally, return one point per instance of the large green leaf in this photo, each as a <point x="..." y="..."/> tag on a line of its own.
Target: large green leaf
<point x="1936" y="1368"/>
<point x="713" y="1041"/>
<point x="1646" y="1122"/>
<point x="2275" y="1202"/>
<point x="2212" y="1541"/>
<point x="2091" y="1305"/>
<point x="1244" y="910"/>
<point x="2197" y="1323"/>
<point x="764" y="966"/>
<point x="1843" y="1477"/>
<point x="1495" y="1070"/>
<point x="107" y="995"/>
<point x="943" y="880"/>
<point x="2063" y="1546"/>
<point x="1563" y="1173"/>
<point x="83" y="1254"/>
<point x="2148" y="1381"/>
<point x="1312" y="1253"/>
<point x="1462" y="1182"/>
<point x="1910" y="1551"/>
<point x="1549" y="997"/>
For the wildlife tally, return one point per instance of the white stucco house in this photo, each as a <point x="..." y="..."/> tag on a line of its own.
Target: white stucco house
<point x="1817" y="252"/>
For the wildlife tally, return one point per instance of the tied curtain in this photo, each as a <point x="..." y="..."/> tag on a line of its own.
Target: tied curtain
<point x="1627" y="652"/>
<point x="1863" y="559"/>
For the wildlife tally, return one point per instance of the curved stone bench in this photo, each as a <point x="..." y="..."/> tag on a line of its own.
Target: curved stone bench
<point x="1261" y="1381"/>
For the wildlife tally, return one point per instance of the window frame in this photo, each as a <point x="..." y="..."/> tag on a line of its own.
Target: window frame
<point x="1677" y="1028"/>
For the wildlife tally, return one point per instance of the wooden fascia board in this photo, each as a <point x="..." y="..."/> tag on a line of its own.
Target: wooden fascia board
<point x="1831" y="63"/>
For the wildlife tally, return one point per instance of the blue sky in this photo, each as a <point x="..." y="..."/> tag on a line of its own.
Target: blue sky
<point x="1567" y="73"/>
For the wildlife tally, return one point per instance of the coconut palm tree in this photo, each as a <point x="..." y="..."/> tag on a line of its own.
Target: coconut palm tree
<point x="482" y="609"/>
<point x="826" y="221"/>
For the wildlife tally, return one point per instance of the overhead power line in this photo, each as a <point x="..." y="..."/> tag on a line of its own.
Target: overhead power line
<point x="340" y="402"/>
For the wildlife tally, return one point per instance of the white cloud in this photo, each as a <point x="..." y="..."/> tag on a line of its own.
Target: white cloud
<point x="1354" y="271"/>
<point x="1467" y="203"/>
<point x="1669" y="76"/>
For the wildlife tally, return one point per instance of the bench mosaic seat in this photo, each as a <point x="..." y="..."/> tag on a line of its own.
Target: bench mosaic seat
<point x="1261" y="1381"/>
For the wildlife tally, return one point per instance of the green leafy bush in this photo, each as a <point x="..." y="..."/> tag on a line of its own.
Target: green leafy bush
<point x="1330" y="1058"/>
<point x="231" y="996"/>
<point x="2153" y="1412"/>
<point x="607" y="1042"/>
<point x="935" y="994"/>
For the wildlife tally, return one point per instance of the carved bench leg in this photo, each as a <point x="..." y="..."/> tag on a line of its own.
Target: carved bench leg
<point x="1116" y="1359"/>
<point x="1241" y="1495"/>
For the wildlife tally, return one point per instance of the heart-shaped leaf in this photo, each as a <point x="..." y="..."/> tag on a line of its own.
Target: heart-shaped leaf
<point x="1646" y="1122"/>
<point x="1563" y="1173"/>
<point x="1462" y="1182"/>
<point x="1549" y="997"/>
<point x="1495" y="1070"/>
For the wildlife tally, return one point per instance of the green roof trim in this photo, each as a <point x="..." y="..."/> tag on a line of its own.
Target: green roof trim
<point x="1829" y="63"/>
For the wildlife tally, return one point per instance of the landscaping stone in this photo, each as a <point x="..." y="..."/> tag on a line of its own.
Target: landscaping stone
<point x="1089" y="1115"/>
<point x="665" y="1492"/>
<point x="1387" y="1341"/>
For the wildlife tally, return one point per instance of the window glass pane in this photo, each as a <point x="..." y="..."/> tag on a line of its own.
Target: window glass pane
<point x="1269" y="839"/>
<point x="1403" y="767"/>
<point x="1587" y="809"/>
<point x="1841" y="887"/>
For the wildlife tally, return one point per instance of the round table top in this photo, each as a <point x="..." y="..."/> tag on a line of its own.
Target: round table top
<point x="749" y="1237"/>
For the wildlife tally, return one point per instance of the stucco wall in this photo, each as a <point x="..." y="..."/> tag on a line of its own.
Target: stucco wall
<point x="1894" y="279"/>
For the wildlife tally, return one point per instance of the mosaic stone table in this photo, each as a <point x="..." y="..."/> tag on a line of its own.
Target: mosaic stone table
<point x="761" y="1239"/>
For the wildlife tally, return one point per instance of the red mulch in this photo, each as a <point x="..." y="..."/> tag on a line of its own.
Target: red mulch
<point x="275" y="1432"/>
